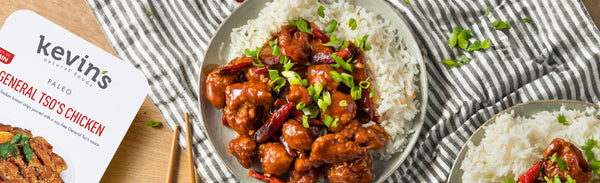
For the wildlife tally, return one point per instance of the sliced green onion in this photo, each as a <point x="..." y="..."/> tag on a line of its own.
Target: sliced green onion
<point x="321" y="12"/>
<point x="323" y="132"/>
<point x="334" y="123"/>
<point x="332" y="41"/>
<point x="304" y="82"/>
<point x="318" y="87"/>
<point x="273" y="74"/>
<point x="348" y="80"/>
<point x="301" y="24"/>
<point x="352" y="24"/>
<point x="314" y="111"/>
<point x="327" y="120"/>
<point x="300" y="106"/>
<point x="293" y="77"/>
<point x="322" y="105"/>
<point x="327" y="97"/>
<point x="364" y="84"/>
<point x="305" y="121"/>
<point x="331" y="27"/>
<point x="371" y="94"/>
<point x="306" y="110"/>
<point x="343" y="103"/>
<point x="311" y="90"/>
<point x="344" y="45"/>
<point x="276" y="51"/>
<point x="356" y="93"/>
<point x="340" y="62"/>
<point x="336" y="76"/>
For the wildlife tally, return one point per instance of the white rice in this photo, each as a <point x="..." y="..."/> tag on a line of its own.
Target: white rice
<point x="394" y="68"/>
<point x="513" y="144"/>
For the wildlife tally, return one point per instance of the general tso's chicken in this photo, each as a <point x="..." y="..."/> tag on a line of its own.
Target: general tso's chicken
<point x="357" y="170"/>
<point x="10" y="172"/>
<point x="294" y="44"/>
<point x="247" y="104"/>
<point x="343" y="113"/>
<point x="310" y="176"/>
<point x="332" y="148"/>
<point x="257" y="74"/>
<point x="321" y="74"/>
<point x="576" y="163"/>
<point x="302" y="162"/>
<point x="266" y="55"/>
<point x="296" y="136"/>
<point x="274" y="160"/>
<point x="299" y="94"/>
<point x="372" y="137"/>
<point x="321" y="54"/>
<point x="244" y="149"/>
<point x="349" y="130"/>
<point x="216" y="83"/>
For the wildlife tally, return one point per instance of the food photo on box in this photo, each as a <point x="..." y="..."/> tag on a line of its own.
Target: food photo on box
<point x="300" y="91"/>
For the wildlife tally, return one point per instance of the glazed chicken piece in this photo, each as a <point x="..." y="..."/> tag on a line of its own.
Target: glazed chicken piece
<point x="216" y="83"/>
<point x="349" y="130"/>
<point x="247" y="104"/>
<point x="321" y="54"/>
<point x="332" y="148"/>
<point x="244" y="149"/>
<point x="299" y="94"/>
<point x="296" y="136"/>
<point x="274" y="160"/>
<point x="10" y="172"/>
<point x="576" y="163"/>
<point x="357" y="170"/>
<point x="343" y="114"/>
<point x="257" y="74"/>
<point x="294" y="44"/>
<point x="372" y="137"/>
<point x="302" y="162"/>
<point x="310" y="176"/>
<point x="320" y="74"/>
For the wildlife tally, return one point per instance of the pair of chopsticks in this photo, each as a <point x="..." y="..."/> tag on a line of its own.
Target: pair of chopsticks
<point x="189" y="151"/>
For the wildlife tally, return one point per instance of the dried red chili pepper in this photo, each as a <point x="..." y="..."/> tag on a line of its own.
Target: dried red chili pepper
<point x="273" y="123"/>
<point x="239" y="1"/>
<point x="287" y="147"/>
<point x="346" y="52"/>
<point x="365" y="110"/>
<point x="271" y="60"/>
<point x="318" y="33"/>
<point x="234" y="67"/>
<point x="261" y="70"/>
<point x="260" y="176"/>
<point x="531" y="175"/>
<point x="278" y="103"/>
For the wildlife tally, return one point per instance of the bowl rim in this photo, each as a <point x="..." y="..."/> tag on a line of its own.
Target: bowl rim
<point x="421" y="80"/>
<point x="493" y="119"/>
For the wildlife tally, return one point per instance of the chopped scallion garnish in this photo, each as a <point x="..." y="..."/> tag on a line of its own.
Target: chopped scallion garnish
<point x="301" y="24"/>
<point x="352" y="24"/>
<point x="343" y="103"/>
<point x="332" y="41"/>
<point x="305" y="121"/>
<point x="364" y="84"/>
<point x="321" y="12"/>
<point x="331" y="27"/>
<point x="300" y="106"/>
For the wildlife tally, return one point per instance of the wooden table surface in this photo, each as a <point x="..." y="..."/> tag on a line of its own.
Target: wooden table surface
<point x="144" y="153"/>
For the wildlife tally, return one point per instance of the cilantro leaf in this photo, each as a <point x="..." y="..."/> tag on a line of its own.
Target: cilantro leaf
<point x="562" y="164"/>
<point x="4" y="150"/>
<point x="475" y="46"/>
<point x="500" y="25"/>
<point x="352" y="24"/>
<point x="28" y="152"/>
<point x="454" y="37"/>
<point x="485" y="44"/>
<point x="527" y="20"/>
<point x="301" y="24"/>
<point x="587" y="148"/>
<point x="488" y="11"/>
<point x="595" y="166"/>
<point x="463" y="38"/>
<point x="321" y="12"/>
<point x="562" y="119"/>
<point x="452" y="63"/>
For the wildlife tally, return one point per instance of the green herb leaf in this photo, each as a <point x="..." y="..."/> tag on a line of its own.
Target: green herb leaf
<point x="332" y="41"/>
<point x="452" y="63"/>
<point x="28" y="152"/>
<point x="301" y="24"/>
<point x="344" y="44"/>
<point x="331" y="27"/>
<point x="362" y="43"/>
<point x="569" y="179"/>
<point x="488" y="11"/>
<point x="327" y="120"/>
<point x="371" y="94"/>
<point x="321" y="12"/>
<point x="489" y="176"/>
<point x="509" y="180"/>
<point x="463" y="38"/>
<point x="352" y="24"/>
<point x="148" y="12"/>
<point x="594" y="166"/>
<point x="562" y="119"/>
<point x="12" y="149"/>
<point x="254" y="54"/>
<point x="345" y="64"/>
<point x="327" y="97"/>
<point x="343" y="103"/>
<point x="104" y="72"/>
<point x="305" y="121"/>
<point x="454" y="37"/>
<point x="153" y="123"/>
<point x="356" y="93"/>
<point x="475" y="46"/>
<point x="276" y="50"/>
<point x="562" y="165"/>
<point x="4" y="150"/>
<point x="500" y="25"/>
<point x="485" y="44"/>
<point x="334" y="123"/>
<point x="407" y="1"/>
<point x="336" y="76"/>
<point x="587" y="148"/>
<point x="16" y="138"/>
<point x="527" y="20"/>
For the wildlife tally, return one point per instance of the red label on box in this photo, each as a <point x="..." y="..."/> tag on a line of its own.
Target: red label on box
<point x="5" y="56"/>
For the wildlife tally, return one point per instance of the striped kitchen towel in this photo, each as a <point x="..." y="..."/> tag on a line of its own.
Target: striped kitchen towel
<point x="555" y="57"/>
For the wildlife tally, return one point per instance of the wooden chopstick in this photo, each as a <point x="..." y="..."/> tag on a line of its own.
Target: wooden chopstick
<point x="189" y="145"/>
<point x="172" y="156"/>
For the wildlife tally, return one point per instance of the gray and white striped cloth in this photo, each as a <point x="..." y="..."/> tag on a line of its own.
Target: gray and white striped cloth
<point x="556" y="57"/>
